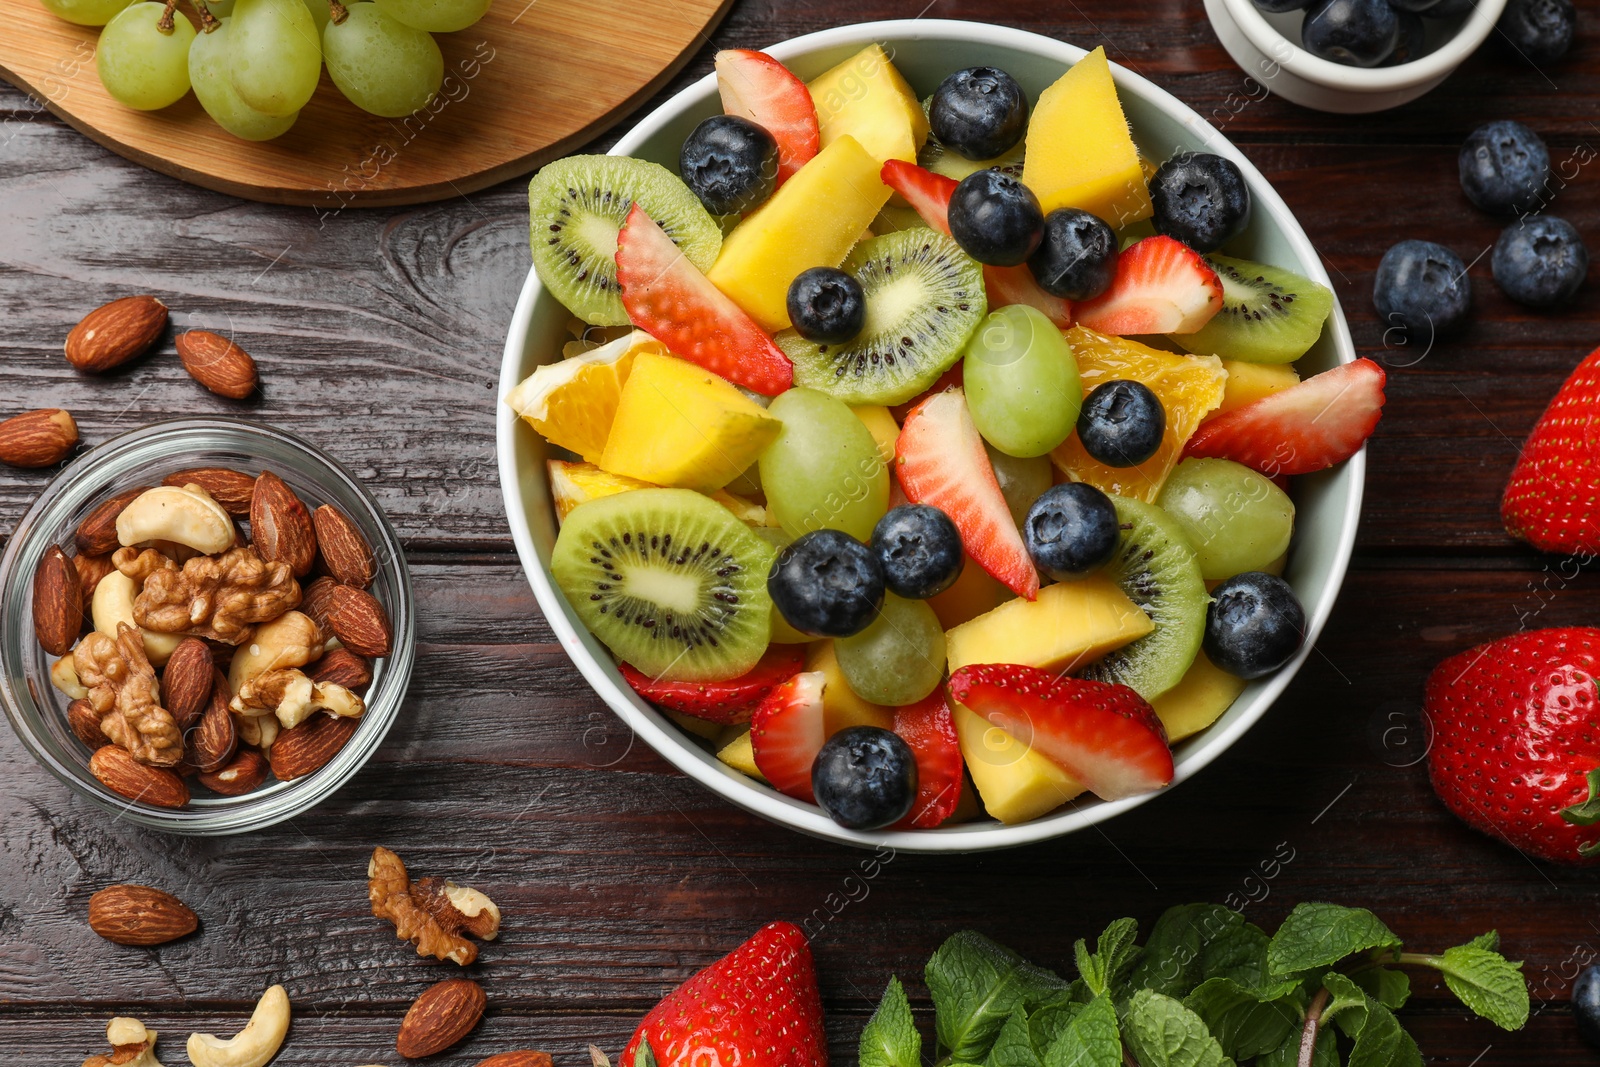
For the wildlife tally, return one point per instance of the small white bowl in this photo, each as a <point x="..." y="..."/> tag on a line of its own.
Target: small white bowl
<point x="1265" y="47"/>
<point x="925" y="50"/>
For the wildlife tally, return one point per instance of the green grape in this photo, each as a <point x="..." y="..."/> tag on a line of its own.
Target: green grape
<point x="219" y="8"/>
<point x="141" y="66"/>
<point x="1022" y="481"/>
<point x="381" y="65"/>
<point x="321" y="13"/>
<point x="277" y="55"/>
<point x="87" y="12"/>
<point x="1022" y="382"/>
<point x="823" y="472"/>
<point x="435" y="16"/>
<point x="208" y="70"/>
<point x="900" y="658"/>
<point x="1235" y="518"/>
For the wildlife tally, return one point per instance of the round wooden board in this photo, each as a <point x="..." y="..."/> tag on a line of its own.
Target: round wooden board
<point x="531" y="81"/>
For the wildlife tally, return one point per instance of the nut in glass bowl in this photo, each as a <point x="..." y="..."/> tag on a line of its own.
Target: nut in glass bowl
<point x="247" y="641"/>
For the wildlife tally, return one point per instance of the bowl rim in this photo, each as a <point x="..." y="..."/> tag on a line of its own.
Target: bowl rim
<point x="663" y="736"/>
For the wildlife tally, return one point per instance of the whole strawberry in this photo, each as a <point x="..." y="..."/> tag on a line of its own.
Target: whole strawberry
<point x="1516" y="750"/>
<point x="758" y="1006"/>
<point x="1550" y="500"/>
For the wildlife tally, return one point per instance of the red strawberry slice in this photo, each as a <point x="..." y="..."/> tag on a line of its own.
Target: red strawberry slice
<point x="727" y="702"/>
<point x="1105" y="735"/>
<point x="758" y="1006"/>
<point x="757" y="87"/>
<point x="1161" y="286"/>
<point x="940" y="460"/>
<point x="1549" y="501"/>
<point x="668" y="298"/>
<point x="787" y="732"/>
<point x="929" y="728"/>
<point x="950" y="379"/>
<point x="1307" y="427"/>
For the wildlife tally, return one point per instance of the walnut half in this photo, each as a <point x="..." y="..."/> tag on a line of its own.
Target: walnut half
<point x="292" y="697"/>
<point x="124" y="693"/>
<point x="431" y="913"/>
<point x="221" y="597"/>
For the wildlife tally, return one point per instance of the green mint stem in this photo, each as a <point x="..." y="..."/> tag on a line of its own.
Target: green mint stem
<point x="1417" y="959"/>
<point x="1128" y="1060"/>
<point x="1308" y="1036"/>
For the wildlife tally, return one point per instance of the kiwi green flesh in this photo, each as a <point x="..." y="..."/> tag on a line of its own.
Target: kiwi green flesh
<point x="577" y="205"/>
<point x="1269" y="315"/>
<point x="924" y="298"/>
<point x="670" y="580"/>
<point x="1159" y="572"/>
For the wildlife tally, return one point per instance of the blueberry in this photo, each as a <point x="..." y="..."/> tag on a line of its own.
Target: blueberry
<point x="1540" y="261"/>
<point x="1254" y="625"/>
<point x="1071" y="531"/>
<point x="865" y="778"/>
<point x="1505" y="167"/>
<point x="1416" y="7"/>
<point x="1121" y="423"/>
<point x="1422" y="288"/>
<point x="1077" y="258"/>
<point x="995" y="218"/>
<point x="1540" y="31"/>
<point x="1586" y="1003"/>
<point x="730" y="163"/>
<point x="1279" y="7"/>
<point x="827" y="305"/>
<point x="1200" y="199"/>
<point x="827" y="583"/>
<point x="1449" y="9"/>
<point x="1413" y="39"/>
<point x="979" y="112"/>
<point x="1357" y="33"/>
<point x="919" y="549"/>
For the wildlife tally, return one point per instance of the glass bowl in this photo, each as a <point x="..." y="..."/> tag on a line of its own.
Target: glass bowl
<point x="37" y="710"/>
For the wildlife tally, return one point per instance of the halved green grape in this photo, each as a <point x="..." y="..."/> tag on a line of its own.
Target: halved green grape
<point x="1021" y="381"/>
<point x="140" y="64"/>
<point x="823" y="472"/>
<point x="208" y="71"/>
<point x="900" y="658"/>
<point x="1235" y="518"/>
<point x="381" y="65"/>
<point x="87" y="12"/>
<point x="436" y="16"/>
<point x="1022" y="481"/>
<point x="277" y="55"/>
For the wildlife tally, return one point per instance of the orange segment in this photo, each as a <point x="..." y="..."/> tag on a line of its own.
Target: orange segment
<point x="572" y="403"/>
<point x="572" y="484"/>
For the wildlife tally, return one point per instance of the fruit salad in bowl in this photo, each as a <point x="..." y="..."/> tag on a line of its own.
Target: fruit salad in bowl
<point x="928" y="433"/>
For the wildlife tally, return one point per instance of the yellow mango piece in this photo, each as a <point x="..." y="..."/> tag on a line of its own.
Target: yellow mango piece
<point x="1070" y="625"/>
<point x="865" y="97"/>
<point x="841" y="706"/>
<point x="813" y="220"/>
<point x="1249" y="382"/>
<point x="699" y="727"/>
<point x="880" y="423"/>
<point x="1080" y="153"/>
<point x="974" y="593"/>
<point x="681" y="425"/>
<point x="572" y="403"/>
<point x="735" y="749"/>
<point x="1198" y="701"/>
<point x="1189" y="388"/>
<point x="1015" y="782"/>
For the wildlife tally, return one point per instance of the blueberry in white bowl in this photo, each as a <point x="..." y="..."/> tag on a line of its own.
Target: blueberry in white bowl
<point x="827" y="583"/>
<point x="1359" y="33"/>
<point x="865" y="778"/>
<point x="919" y="548"/>
<point x="1255" y="624"/>
<point x="827" y="305"/>
<point x="1077" y="257"/>
<point x="995" y="218"/>
<point x="1200" y="199"/>
<point x="1122" y="423"/>
<point x="730" y="163"/>
<point x="980" y="112"/>
<point x="1071" y="531"/>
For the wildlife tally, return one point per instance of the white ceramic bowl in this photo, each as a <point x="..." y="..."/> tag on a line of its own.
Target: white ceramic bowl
<point x="925" y="51"/>
<point x="1266" y="47"/>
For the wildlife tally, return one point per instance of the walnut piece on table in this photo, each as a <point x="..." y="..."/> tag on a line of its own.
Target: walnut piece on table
<point x="123" y="692"/>
<point x="292" y="697"/>
<point x="218" y="597"/>
<point x="431" y="913"/>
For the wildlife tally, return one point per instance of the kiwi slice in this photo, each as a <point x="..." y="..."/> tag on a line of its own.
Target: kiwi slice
<point x="934" y="156"/>
<point x="670" y="580"/>
<point x="924" y="298"/>
<point x="575" y="208"/>
<point x="1158" y="570"/>
<point x="1268" y="315"/>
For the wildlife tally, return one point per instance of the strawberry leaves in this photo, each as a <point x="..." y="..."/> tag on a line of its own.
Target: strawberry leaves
<point x="1587" y="813"/>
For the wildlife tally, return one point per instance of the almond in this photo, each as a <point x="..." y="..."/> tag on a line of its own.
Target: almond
<point x="213" y="742"/>
<point x="125" y="776"/>
<point x="139" y="915"/>
<point x="314" y="601"/>
<point x="233" y="489"/>
<point x="217" y="363"/>
<point x="309" y="746"/>
<point x="90" y="570"/>
<point x="359" y="621"/>
<point x="345" y="552"/>
<point x="187" y="680"/>
<point x="520" y="1058"/>
<point x="111" y="335"/>
<point x="57" y="602"/>
<point x="97" y="533"/>
<point x="244" y="772"/>
<point x="85" y="723"/>
<point x="37" y="438"/>
<point x="280" y="526"/>
<point x="340" y="666"/>
<point x="444" y="1014"/>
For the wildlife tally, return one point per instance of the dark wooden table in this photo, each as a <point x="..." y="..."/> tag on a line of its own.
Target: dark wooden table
<point x="379" y="336"/>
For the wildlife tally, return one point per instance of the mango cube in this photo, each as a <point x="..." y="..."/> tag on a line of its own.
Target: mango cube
<point x="1249" y="382"/>
<point x="736" y="750"/>
<point x="865" y="97"/>
<point x="1015" y="782"/>
<point x="571" y="403"/>
<point x="841" y="707"/>
<point x="1198" y="701"/>
<point x="1079" y="151"/>
<point x="1070" y="625"/>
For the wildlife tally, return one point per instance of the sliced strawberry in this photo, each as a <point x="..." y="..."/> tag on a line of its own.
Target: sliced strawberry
<point x="950" y="379"/>
<point x="1016" y="285"/>
<point x="668" y="297"/>
<point x="727" y="702"/>
<point x="1162" y="286"/>
<point x="1307" y="427"/>
<point x="940" y="460"/>
<point x="1105" y="735"/>
<point x="929" y="728"/>
<point x="757" y="87"/>
<point x="787" y="732"/>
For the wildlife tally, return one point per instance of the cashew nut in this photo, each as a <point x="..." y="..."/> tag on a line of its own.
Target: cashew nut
<point x="258" y="730"/>
<point x="293" y="639"/>
<point x="253" y="1046"/>
<point x="64" y="676"/>
<point x="113" y="604"/>
<point x="132" y="1046"/>
<point x="188" y="516"/>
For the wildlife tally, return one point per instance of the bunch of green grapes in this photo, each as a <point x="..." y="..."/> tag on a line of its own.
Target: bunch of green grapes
<point x="253" y="64"/>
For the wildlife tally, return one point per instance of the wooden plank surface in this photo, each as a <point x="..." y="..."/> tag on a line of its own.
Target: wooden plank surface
<point x="379" y="335"/>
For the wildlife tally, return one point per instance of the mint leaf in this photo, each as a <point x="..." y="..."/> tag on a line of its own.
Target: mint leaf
<point x="1090" y="1039"/>
<point x="1163" y="1033"/>
<point x="1326" y="1053"/>
<point x="1488" y="983"/>
<point x="976" y="985"/>
<point x="1014" y="1046"/>
<point x="1320" y="935"/>
<point x="1347" y="1003"/>
<point x="1051" y="1021"/>
<point x="1382" y="1042"/>
<point x="1490" y="941"/>
<point x="1243" y="1024"/>
<point x="1588" y="812"/>
<point x="890" y="1038"/>
<point x="1390" y="987"/>
<point x="1114" y="953"/>
<point x="1173" y="958"/>
<point x="1240" y="956"/>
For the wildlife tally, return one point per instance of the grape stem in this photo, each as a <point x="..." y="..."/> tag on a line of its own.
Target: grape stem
<point x="165" y="23"/>
<point x="208" y="21"/>
<point x="337" y="12"/>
